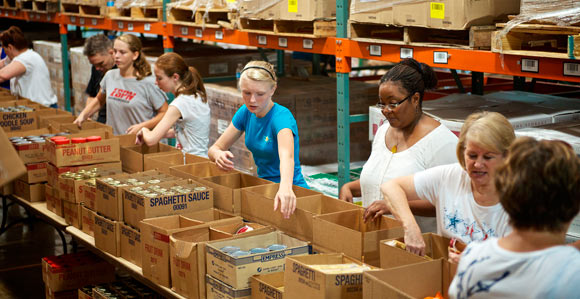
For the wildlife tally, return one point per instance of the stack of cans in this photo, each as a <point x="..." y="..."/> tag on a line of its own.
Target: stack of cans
<point x="38" y="139"/>
<point x="20" y="108"/>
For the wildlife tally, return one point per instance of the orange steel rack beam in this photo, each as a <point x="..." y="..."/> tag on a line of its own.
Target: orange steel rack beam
<point x="460" y="59"/>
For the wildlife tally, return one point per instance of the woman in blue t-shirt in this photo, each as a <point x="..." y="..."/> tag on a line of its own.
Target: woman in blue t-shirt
<point x="271" y="135"/>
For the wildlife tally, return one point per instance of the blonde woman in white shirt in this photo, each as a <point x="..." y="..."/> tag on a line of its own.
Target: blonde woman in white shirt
<point x="408" y="143"/>
<point x="463" y="194"/>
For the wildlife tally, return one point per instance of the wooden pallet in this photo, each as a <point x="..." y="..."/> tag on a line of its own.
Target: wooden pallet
<point x="312" y="29"/>
<point x="213" y="18"/>
<point x="39" y="6"/>
<point x="9" y="4"/>
<point x="82" y="10"/>
<point x="538" y="40"/>
<point x="540" y="22"/>
<point x="476" y="37"/>
<point x="145" y="13"/>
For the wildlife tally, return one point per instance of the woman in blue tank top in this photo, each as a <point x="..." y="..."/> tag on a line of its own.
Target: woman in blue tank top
<point x="271" y="135"/>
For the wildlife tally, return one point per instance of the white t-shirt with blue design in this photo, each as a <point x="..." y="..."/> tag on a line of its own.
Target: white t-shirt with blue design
<point x="488" y="271"/>
<point x="448" y="188"/>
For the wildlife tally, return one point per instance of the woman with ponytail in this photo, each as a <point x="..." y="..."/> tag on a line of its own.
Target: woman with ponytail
<point x="408" y="143"/>
<point x="133" y="101"/>
<point x="189" y="112"/>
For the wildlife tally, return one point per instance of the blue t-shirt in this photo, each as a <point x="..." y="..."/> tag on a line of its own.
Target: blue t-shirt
<point x="262" y="140"/>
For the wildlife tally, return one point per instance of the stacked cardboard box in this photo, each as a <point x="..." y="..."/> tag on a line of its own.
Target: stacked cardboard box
<point x="108" y="214"/>
<point x="324" y="276"/>
<point x="155" y="239"/>
<point x="411" y="281"/>
<point x="52" y="54"/>
<point x="299" y="10"/>
<point x="187" y="253"/>
<point x="347" y="232"/>
<point x="81" y="70"/>
<point x="15" y="118"/>
<point x="67" y="192"/>
<point x="313" y="104"/>
<point x="444" y="14"/>
<point x="229" y="274"/>
<point x="257" y="203"/>
<point x="64" y="274"/>
<point x="134" y="156"/>
<point x="164" y="162"/>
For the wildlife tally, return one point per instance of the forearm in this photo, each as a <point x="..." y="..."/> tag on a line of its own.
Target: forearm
<point x="354" y="188"/>
<point x="286" y="172"/>
<point x="397" y="202"/>
<point x="93" y="106"/>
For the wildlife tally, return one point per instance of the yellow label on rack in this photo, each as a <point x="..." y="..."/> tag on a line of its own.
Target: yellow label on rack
<point x="437" y="10"/>
<point x="231" y="1"/>
<point x="292" y="5"/>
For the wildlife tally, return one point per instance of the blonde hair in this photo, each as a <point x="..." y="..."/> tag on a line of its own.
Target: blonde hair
<point x="490" y="130"/>
<point x="260" y="71"/>
<point x="142" y="67"/>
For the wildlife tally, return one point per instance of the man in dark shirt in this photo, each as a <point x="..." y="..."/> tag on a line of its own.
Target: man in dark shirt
<point x="99" y="51"/>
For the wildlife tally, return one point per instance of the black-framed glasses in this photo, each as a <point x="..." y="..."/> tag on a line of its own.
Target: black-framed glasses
<point x="392" y="106"/>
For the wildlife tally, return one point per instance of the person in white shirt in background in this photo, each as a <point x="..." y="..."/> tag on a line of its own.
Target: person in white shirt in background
<point x="26" y="70"/>
<point x="133" y="101"/>
<point x="189" y="111"/>
<point x="539" y="188"/>
<point x="463" y="193"/>
<point x="408" y="143"/>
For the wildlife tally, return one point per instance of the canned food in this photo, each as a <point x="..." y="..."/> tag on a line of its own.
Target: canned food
<point x="275" y="247"/>
<point x="78" y="140"/>
<point x="230" y="249"/>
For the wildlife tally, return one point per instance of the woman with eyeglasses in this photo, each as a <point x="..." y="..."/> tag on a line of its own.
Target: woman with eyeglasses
<point x="408" y="143"/>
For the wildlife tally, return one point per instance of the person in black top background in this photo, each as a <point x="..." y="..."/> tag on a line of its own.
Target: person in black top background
<point x="99" y="51"/>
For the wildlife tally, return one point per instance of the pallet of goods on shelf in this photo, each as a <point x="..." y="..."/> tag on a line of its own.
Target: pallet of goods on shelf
<point x="81" y="70"/>
<point x="450" y="23"/>
<point x="203" y="13"/>
<point x="542" y="29"/>
<point x="83" y="8"/>
<point x="289" y="18"/>
<point x="136" y="10"/>
<point x="38" y="5"/>
<point x="9" y="4"/>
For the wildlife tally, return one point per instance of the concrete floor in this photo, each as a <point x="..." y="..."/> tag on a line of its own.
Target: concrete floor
<point x="21" y="250"/>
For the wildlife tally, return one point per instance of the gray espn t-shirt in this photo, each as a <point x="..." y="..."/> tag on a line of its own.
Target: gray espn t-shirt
<point x="130" y="101"/>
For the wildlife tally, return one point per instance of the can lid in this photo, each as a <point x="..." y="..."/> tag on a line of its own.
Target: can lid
<point x="61" y="141"/>
<point x="79" y="140"/>
<point x="93" y="138"/>
<point x="58" y="137"/>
